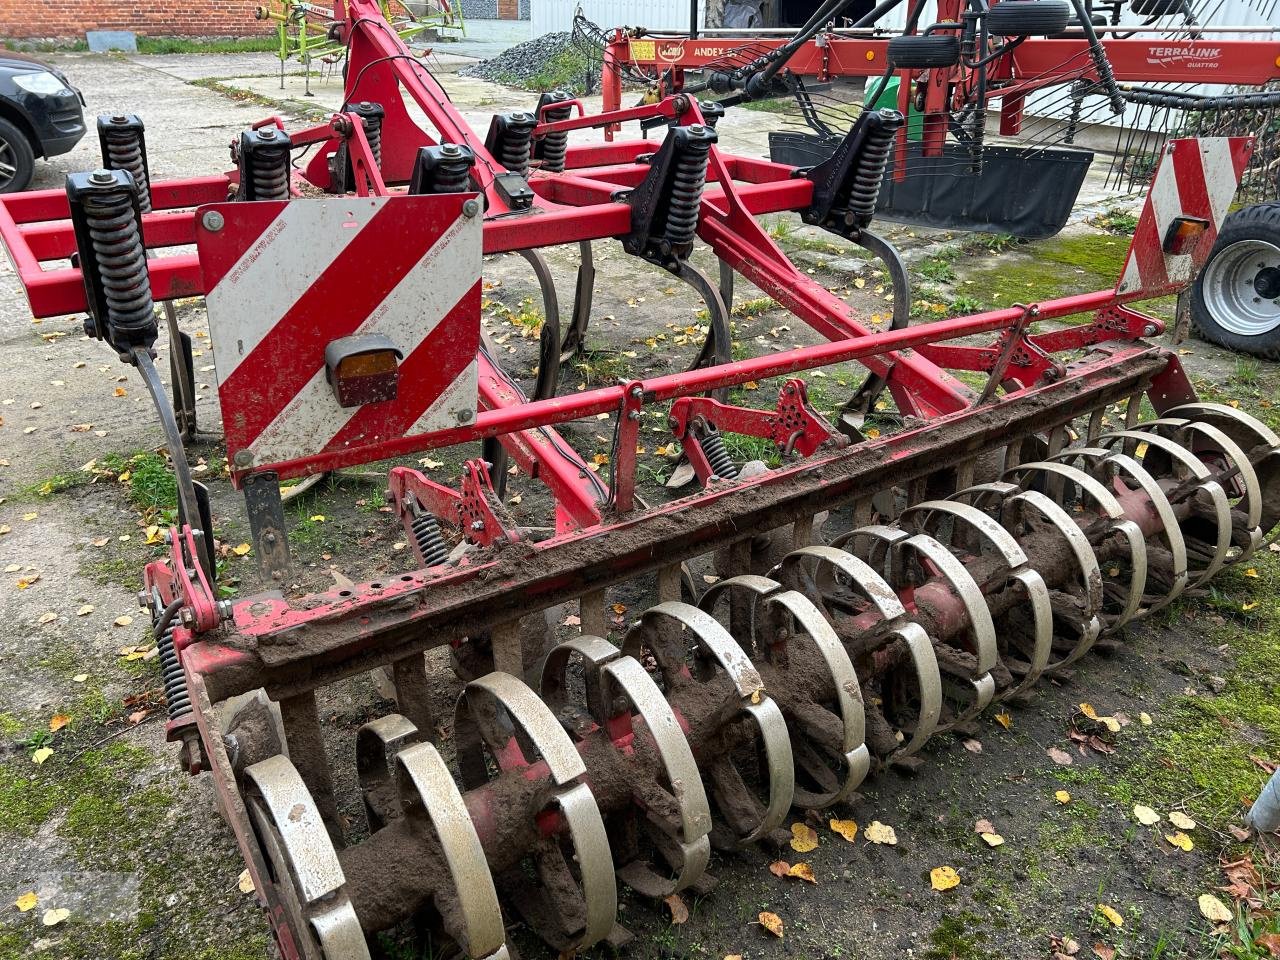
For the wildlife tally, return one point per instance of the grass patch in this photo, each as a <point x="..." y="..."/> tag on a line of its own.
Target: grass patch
<point x="937" y="268"/>
<point x="772" y="105"/>
<point x="265" y="43"/>
<point x="1116" y="220"/>
<point x="1051" y="269"/>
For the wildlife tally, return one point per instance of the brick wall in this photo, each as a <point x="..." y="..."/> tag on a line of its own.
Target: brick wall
<point x="22" y="19"/>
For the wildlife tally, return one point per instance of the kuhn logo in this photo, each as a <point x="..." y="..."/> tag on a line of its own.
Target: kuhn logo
<point x="1191" y="58"/>
<point x="671" y="51"/>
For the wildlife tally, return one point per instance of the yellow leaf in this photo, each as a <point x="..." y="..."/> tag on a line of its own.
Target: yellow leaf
<point x="317" y="518"/>
<point x="123" y="621"/>
<point x="679" y="912"/>
<point x="1062" y="797"/>
<point x="1181" y="820"/>
<point x="859" y="282"/>
<point x="80" y="678"/>
<point x="30" y="516"/>
<point x="1213" y="909"/>
<point x="41" y="755"/>
<point x="1144" y="718"/>
<point x="241" y="549"/>
<point x="27" y="901"/>
<point x="1251" y="572"/>
<point x="124" y="477"/>
<point x="802" y="871"/>
<point x="1004" y="719"/>
<point x="943" y="878"/>
<point x="872" y="433"/>
<point x="1145" y="815"/>
<point x="619" y="608"/>
<point x="878" y="832"/>
<point x="1246" y="607"/>
<point x="52" y="918"/>
<point x="85" y="610"/>
<point x="245" y="882"/>
<point x="993" y="839"/>
<point x="803" y="838"/>
<point x="600" y="459"/>
<point x="771" y="922"/>
<point x="1180" y="840"/>
<point x="121" y="392"/>
<point x="153" y="534"/>
<point x="58" y="721"/>
<point x="1111" y="914"/>
<point x="846" y="828"/>
<point x="24" y="582"/>
<point x="1088" y="711"/>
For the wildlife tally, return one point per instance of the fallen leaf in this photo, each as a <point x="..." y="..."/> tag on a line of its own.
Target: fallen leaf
<point x="846" y="828"/>
<point x="27" y="901"/>
<point x="80" y="678"/>
<point x="779" y="868"/>
<point x="802" y="871"/>
<point x="1144" y="718"/>
<point x="241" y="549"/>
<point x="1088" y="711"/>
<point x="619" y="608"/>
<point x="1059" y="756"/>
<point x="1112" y="915"/>
<point x="993" y="839"/>
<point x="52" y="918"/>
<point x="245" y="882"/>
<point x="1271" y="941"/>
<point x="1240" y="833"/>
<point x="1062" y="797"/>
<point x="1251" y="573"/>
<point x="101" y="541"/>
<point x="1145" y="815"/>
<point x="317" y="518"/>
<point x="943" y="878"/>
<point x="1070" y="947"/>
<point x="24" y="582"/>
<point x="13" y="568"/>
<point x="48" y="617"/>
<point x="679" y="912"/>
<point x="1180" y="840"/>
<point x="121" y="392"/>
<point x="1103" y="952"/>
<point x="41" y="755"/>
<point x="1213" y="909"/>
<point x="771" y="922"/>
<point x="973" y="746"/>
<point x="123" y="620"/>
<point x="1181" y="820"/>
<point x="1004" y="719"/>
<point x="58" y="721"/>
<point x="984" y="826"/>
<point x="85" y="610"/>
<point x="137" y="717"/>
<point x="878" y="832"/>
<point x="803" y="838"/>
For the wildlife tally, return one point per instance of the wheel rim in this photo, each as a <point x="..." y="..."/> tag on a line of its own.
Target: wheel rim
<point x="1242" y="288"/>
<point x="8" y="164"/>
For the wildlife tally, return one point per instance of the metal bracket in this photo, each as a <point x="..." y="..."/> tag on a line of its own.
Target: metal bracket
<point x="266" y="521"/>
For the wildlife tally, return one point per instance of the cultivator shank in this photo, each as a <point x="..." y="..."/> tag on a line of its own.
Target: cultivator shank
<point x="807" y="626"/>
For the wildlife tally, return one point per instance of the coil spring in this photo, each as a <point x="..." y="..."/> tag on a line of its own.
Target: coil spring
<point x="717" y="454"/>
<point x="686" y="187"/>
<point x="373" y="133"/>
<point x="554" y="145"/>
<point x="453" y="173"/>
<point x="872" y="160"/>
<point x="122" y="262"/>
<point x="426" y="533"/>
<point x="1078" y="91"/>
<point x="517" y="143"/>
<point x="124" y="152"/>
<point x="270" y="172"/>
<point x="176" y="695"/>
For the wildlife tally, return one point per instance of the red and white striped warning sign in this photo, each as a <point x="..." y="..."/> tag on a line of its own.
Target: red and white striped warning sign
<point x="287" y="278"/>
<point x="1195" y="178"/>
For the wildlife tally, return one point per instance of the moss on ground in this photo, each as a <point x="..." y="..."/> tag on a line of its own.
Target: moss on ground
<point x="1050" y="268"/>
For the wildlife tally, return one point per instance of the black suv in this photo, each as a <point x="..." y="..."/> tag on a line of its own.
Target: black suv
<point x="40" y="116"/>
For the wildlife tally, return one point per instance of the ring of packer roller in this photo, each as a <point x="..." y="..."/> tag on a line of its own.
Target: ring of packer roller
<point x="985" y="530"/>
<point x="610" y="675"/>
<point x="769" y="596"/>
<point x="822" y="564"/>
<point x="479" y="723"/>
<point x="307" y="873"/>
<point x="1013" y="504"/>
<point x="714" y="641"/>
<point x="1119" y="471"/>
<point x="889" y="549"/>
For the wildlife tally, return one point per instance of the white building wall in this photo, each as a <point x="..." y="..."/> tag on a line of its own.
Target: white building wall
<point x="551" y="16"/>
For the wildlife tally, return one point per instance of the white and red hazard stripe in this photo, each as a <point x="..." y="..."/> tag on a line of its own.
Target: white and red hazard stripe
<point x="286" y="279"/>
<point x="1195" y="178"/>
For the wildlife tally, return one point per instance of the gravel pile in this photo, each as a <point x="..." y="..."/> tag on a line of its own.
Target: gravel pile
<point x="526" y="63"/>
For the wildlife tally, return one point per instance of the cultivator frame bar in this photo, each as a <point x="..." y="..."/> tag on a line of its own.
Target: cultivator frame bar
<point x="950" y="589"/>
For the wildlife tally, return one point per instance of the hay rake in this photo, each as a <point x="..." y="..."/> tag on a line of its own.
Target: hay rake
<point x="871" y="592"/>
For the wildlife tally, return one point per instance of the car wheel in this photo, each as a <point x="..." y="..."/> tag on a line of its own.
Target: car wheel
<point x="17" y="161"/>
<point x="1236" y="299"/>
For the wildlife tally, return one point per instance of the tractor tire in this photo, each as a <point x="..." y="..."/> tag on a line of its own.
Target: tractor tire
<point x="1235" y="302"/>
<point x="1028" y="18"/>
<point x="916" y="53"/>
<point x="17" y="159"/>
<point x="1156" y="8"/>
